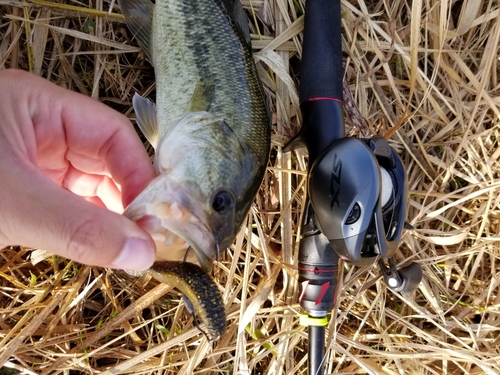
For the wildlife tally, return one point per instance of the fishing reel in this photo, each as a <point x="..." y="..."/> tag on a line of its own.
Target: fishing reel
<point x="358" y="192"/>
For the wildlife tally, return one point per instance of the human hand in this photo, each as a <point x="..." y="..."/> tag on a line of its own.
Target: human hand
<point x="57" y="146"/>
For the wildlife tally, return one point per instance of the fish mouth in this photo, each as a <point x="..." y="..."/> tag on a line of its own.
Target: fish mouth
<point x="176" y="221"/>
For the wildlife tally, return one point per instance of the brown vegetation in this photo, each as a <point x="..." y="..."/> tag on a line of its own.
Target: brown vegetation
<point x="433" y="64"/>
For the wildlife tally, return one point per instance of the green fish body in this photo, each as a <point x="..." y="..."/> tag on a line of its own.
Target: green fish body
<point x="210" y="126"/>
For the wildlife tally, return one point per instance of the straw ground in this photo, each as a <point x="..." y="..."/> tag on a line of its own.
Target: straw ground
<point x="426" y="72"/>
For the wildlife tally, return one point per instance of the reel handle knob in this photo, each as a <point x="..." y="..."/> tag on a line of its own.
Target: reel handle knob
<point x="411" y="276"/>
<point x="404" y="280"/>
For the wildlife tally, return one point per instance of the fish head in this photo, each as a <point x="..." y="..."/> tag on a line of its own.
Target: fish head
<point x="204" y="188"/>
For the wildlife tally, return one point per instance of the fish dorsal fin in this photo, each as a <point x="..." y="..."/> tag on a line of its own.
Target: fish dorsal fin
<point x="202" y="96"/>
<point x="235" y="10"/>
<point x="139" y="18"/>
<point x="145" y="111"/>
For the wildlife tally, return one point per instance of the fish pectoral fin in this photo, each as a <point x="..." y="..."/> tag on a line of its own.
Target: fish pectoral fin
<point x="145" y="111"/>
<point x="202" y="96"/>
<point x="139" y="18"/>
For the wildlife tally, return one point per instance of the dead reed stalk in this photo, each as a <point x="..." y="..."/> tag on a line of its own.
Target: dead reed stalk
<point x="433" y="62"/>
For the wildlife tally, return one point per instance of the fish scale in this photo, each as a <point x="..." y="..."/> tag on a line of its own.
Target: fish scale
<point x="203" y="36"/>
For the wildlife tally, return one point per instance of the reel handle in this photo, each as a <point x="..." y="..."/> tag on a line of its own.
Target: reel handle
<point x="404" y="280"/>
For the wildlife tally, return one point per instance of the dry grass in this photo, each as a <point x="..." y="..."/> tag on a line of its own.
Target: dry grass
<point x="437" y="61"/>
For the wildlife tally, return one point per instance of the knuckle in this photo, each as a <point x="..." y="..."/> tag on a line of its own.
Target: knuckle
<point x="85" y="240"/>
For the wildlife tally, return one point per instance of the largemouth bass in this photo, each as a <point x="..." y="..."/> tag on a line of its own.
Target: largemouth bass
<point x="210" y="127"/>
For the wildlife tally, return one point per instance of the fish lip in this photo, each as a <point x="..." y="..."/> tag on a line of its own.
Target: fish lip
<point x="178" y="212"/>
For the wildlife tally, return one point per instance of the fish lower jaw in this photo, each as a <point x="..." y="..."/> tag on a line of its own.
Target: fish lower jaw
<point x="190" y="236"/>
<point x="175" y="231"/>
<point x="160" y="209"/>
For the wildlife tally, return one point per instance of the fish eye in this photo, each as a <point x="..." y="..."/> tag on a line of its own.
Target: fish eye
<point x="222" y="202"/>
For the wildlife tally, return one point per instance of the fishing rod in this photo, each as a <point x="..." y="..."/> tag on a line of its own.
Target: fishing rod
<point x="357" y="188"/>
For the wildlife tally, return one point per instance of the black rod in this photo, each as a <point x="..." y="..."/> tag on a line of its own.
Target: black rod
<point x="316" y="349"/>
<point x="321" y="67"/>
<point x="321" y="75"/>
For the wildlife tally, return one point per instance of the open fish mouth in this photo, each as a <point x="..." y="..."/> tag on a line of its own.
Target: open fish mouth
<point x="171" y="217"/>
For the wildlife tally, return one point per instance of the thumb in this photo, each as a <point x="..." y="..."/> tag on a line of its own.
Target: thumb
<point x="38" y="213"/>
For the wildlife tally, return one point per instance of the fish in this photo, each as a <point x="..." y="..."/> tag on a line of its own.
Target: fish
<point x="210" y="126"/>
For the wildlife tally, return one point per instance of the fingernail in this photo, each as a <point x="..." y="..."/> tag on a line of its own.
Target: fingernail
<point x="137" y="254"/>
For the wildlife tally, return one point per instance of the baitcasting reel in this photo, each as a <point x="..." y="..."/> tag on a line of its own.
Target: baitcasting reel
<point x="357" y="189"/>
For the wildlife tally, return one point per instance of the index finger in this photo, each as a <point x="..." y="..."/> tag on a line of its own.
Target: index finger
<point x="95" y="130"/>
<point x="110" y="137"/>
